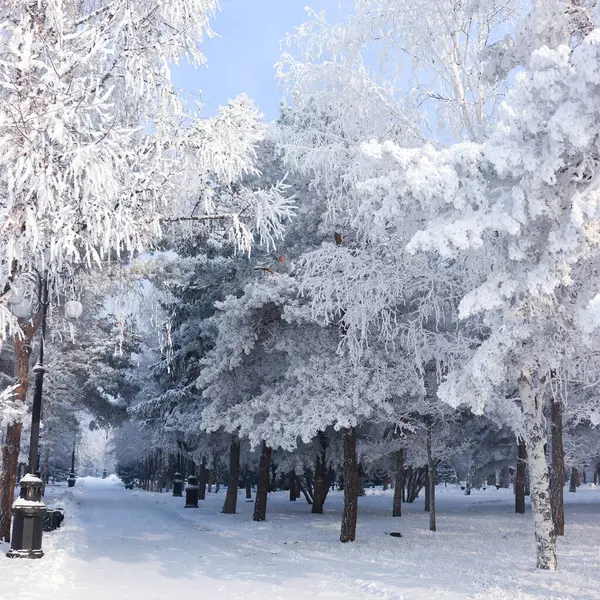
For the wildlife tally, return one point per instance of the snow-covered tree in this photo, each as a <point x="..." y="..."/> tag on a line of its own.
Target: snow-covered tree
<point x="101" y="152"/>
<point x="345" y="84"/>
<point x="527" y="198"/>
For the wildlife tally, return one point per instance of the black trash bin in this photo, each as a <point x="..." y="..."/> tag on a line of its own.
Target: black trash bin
<point x="28" y="520"/>
<point x="177" y="485"/>
<point x="53" y="518"/>
<point x="191" y="492"/>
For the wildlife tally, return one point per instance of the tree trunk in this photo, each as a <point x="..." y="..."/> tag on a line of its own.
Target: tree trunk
<point x="320" y="486"/>
<point x="558" y="469"/>
<point x="273" y="478"/>
<point x="305" y="491"/>
<point x="248" y="486"/>
<point x="8" y="476"/>
<point x="404" y="487"/>
<point x="350" y="510"/>
<point x="202" y="480"/>
<point x="520" y="478"/>
<point x="430" y="477"/>
<point x="399" y="484"/>
<point x="230" y="504"/>
<point x="573" y="481"/>
<point x="260" y="504"/>
<point x="361" y="481"/>
<point x="415" y="479"/>
<point x="292" y="483"/>
<point x="427" y="492"/>
<point x="432" y="513"/>
<point x="535" y="438"/>
<point x="12" y="441"/>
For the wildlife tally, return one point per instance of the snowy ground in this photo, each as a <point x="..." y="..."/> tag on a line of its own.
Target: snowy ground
<point x="122" y="545"/>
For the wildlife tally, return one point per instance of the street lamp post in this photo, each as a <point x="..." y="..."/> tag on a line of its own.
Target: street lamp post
<point x="29" y="509"/>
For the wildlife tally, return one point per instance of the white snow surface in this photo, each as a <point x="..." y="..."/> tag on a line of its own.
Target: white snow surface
<point x="120" y="544"/>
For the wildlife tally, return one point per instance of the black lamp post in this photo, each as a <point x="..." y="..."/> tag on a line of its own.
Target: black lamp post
<point x="29" y="509"/>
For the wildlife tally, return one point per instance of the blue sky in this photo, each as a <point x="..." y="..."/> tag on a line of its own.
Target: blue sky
<point x="242" y="58"/>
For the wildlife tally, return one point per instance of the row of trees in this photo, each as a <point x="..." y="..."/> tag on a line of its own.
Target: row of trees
<point x="432" y="304"/>
<point x="437" y="287"/>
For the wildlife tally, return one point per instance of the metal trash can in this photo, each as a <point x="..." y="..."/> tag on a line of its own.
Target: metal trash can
<point x="177" y="485"/>
<point x="53" y="518"/>
<point x="28" y="516"/>
<point x="191" y="492"/>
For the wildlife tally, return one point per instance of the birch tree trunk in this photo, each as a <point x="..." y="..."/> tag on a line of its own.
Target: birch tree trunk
<point x="430" y="379"/>
<point x="558" y="468"/>
<point x="535" y="438"/>
<point x="350" y="510"/>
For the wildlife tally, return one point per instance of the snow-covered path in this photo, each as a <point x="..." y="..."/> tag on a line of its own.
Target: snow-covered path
<point x="118" y="544"/>
<point x="137" y="545"/>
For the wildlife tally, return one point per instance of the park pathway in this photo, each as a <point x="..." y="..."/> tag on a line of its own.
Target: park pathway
<point x="118" y="544"/>
<point x="130" y="545"/>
